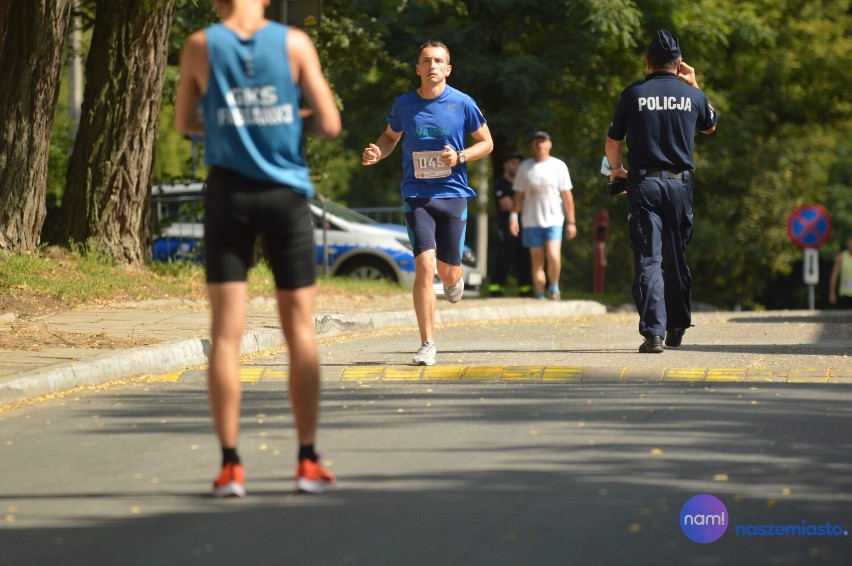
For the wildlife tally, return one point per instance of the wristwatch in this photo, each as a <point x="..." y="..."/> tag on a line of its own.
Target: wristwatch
<point x="462" y="157"/>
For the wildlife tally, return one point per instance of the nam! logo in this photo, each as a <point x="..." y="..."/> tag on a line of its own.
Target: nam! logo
<point x="704" y="518"/>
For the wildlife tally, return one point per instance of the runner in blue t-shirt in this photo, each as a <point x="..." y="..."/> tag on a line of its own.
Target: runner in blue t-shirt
<point x="436" y="120"/>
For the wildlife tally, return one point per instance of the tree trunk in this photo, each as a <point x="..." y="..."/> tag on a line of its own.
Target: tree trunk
<point x="106" y="203"/>
<point x="32" y="35"/>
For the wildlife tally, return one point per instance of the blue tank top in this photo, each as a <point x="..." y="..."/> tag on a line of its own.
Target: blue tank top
<point x="251" y="108"/>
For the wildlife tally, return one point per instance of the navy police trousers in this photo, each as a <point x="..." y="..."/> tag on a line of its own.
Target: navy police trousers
<point x="660" y="224"/>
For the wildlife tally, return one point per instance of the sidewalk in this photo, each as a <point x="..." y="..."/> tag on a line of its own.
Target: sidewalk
<point x="159" y="337"/>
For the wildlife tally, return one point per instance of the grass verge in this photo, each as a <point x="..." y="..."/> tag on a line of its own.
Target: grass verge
<point x="55" y="279"/>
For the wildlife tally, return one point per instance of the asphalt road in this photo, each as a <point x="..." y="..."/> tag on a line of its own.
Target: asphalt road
<point x="467" y="471"/>
<point x="762" y="346"/>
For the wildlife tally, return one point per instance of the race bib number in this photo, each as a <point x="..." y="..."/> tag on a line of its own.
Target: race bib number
<point x="428" y="165"/>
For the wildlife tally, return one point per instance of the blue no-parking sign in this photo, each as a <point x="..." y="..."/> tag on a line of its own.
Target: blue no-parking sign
<point x="809" y="226"/>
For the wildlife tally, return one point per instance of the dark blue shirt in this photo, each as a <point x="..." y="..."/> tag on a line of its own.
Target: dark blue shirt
<point x="659" y="116"/>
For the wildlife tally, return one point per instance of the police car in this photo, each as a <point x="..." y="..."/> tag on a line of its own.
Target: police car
<point x="347" y="242"/>
<point x="350" y="244"/>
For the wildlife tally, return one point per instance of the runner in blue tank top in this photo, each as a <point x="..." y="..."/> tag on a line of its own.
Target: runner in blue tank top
<point x="436" y="120"/>
<point x="251" y="108"/>
<point x="248" y="75"/>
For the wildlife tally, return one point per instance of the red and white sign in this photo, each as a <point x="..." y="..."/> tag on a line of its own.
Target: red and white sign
<point x="809" y="226"/>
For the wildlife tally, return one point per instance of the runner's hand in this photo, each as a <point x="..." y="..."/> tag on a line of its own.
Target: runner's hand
<point x="449" y="156"/>
<point x="372" y="154"/>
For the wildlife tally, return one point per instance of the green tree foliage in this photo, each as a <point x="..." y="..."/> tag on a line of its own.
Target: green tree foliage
<point x="529" y="65"/>
<point x="174" y="160"/>
<point x="775" y="69"/>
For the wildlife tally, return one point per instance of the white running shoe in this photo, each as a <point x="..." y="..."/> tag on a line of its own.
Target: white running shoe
<point x="425" y="355"/>
<point x="454" y="293"/>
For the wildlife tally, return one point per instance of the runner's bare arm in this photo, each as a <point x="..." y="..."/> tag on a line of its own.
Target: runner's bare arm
<point x="194" y="69"/>
<point x="322" y="117"/>
<point x="483" y="146"/>
<point x="383" y="147"/>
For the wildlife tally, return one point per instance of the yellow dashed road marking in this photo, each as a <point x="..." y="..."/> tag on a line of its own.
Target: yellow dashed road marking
<point x="522" y="373"/>
<point x="726" y="374"/>
<point x="766" y="376"/>
<point x="557" y="373"/>
<point x="361" y="373"/>
<point x="402" y="373"/>
<point x="443" y="373"/>
<point x="685" y="374"/>
<point x="578" y="374"/>
<point x="548" y="374"/>
<point x="807" y="375"/>
<point x="482" y="373"/>
<point x="169" y="377"/>
<point x="250" y="375"/>
<point x="275" y="375"/>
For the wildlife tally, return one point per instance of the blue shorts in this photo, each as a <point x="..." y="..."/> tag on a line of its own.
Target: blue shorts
<point x="437" y="224"/>
<point x="535" y="237"/>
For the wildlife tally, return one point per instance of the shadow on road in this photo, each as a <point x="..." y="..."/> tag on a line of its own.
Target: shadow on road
<point x="474" y="474"/>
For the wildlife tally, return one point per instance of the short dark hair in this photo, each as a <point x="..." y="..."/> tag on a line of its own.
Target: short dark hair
<point x="662" y="63"/>
<point x="511" y="155"/>
<point x="434" y="43"/>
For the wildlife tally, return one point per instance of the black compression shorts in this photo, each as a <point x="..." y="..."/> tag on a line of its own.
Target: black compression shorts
<point x="437" y="224"/>
<point x="237" y="211"/>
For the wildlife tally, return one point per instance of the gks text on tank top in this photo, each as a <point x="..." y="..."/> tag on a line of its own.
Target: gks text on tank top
<point x="254" y="107"/>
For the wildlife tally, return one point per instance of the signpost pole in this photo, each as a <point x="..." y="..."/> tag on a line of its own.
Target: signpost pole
<point x="810" y="274"/>
<point x="809" y="227"/>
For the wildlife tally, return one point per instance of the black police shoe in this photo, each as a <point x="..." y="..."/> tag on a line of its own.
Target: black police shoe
<point x="674" y="337"/>
<point x="652" y="345"/>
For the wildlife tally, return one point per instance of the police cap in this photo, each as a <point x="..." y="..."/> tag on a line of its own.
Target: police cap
<point x="664" y="47"/>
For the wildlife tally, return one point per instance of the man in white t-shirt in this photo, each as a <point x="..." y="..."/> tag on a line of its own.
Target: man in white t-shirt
<point x="543" y="195"/>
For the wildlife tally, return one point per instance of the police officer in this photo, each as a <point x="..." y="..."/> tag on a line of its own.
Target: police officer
<point x="508" y="249"/>
<point x="659" y="116"/>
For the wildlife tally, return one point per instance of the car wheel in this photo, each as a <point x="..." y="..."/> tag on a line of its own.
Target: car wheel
<point x="368" y="268"/>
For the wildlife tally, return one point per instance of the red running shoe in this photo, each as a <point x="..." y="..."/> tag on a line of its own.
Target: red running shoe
<point x="231" y="482"/>
<point x="311" y="477"/>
